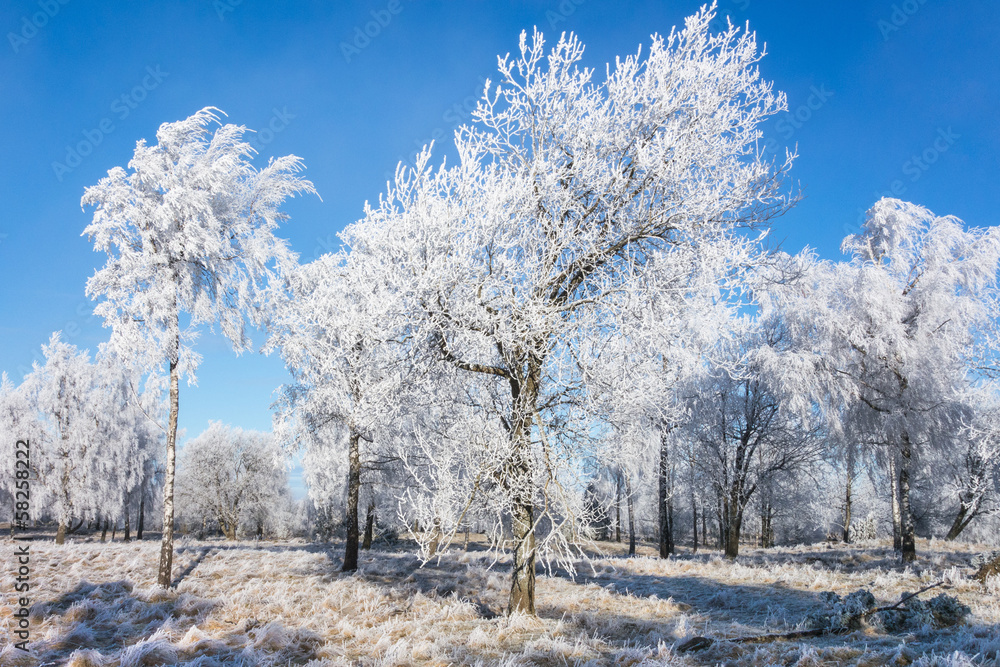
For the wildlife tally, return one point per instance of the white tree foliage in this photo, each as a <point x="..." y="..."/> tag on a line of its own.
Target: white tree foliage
<point x="565" y="190"/>
<point x="235" y="478"/>
<point x="189" y="231"/>
<point x="896" y="335"/>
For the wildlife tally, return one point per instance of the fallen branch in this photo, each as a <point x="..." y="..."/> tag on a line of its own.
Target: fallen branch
<point x="701" y="643"/>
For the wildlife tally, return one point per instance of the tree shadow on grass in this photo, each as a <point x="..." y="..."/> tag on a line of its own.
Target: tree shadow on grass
<point x="155" y="626"/>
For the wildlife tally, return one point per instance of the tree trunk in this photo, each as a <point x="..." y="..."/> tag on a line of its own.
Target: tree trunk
<point x="908" y="541"/>
<point x="723" y="523"/>
<point x="435" y="537"/>
<point x="104" y="531"/>
<point x="849" y="483"/>
<point x="128" y="527"/>
<point x="353" y="488"/>
<point x="733" y="533"/>
<point x="142" y="515"/>
<point x="631" y="514"/>
<point x="61" y="532"/>
<point x="520" y="485"/>
<point x="661" y="505"/>
<point x="704" y="525"/>
<point x="618" y="505"/>
<point x="370" y="526"/>
<point x="164" y="575"/>
<point x="894" y="489"/>
<point x="962" y="519"/>
<point x="694" y="518"/>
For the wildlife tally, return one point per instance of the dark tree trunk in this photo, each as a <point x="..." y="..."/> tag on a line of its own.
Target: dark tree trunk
<point x="735" y="521"/>
<point x="164" y="575"/>
<point x="704" y="526"/>
<point x="962" y="519"/>
<point x="766" y="524"/>
<point x="897" y="543"/>
<point x="370" y="526"/>
<point x="723" y="524"/>
<point x="908" y="542"/>
<point x="663" y="499"/>
<point x="694" y="519"/>
<point x="353" y="487"/>
<point x="618" y="506"/>
<point x="142" y="516"/>
<point x="104" y="531"/>
<point x="128" y="527"/>
<point x="848" y="500"/>
<point x="631" y="515"/>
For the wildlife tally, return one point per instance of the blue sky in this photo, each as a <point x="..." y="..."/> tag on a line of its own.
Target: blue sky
<point x="883" y="97"/>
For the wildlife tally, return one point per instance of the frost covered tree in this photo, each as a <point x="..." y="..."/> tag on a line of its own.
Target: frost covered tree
<point x="235" y="477"/>
<point x="89" y="449"/>
<point x="18" y="421"/>
<point x="67" y="453"/>
<point x="748" y="436"/>
<point x="189" y="234"/>
<point x="971" y="461"/>
<point x="897" y="333"/>
<point x="335" y="332"/>
<point x="565" y="188"/>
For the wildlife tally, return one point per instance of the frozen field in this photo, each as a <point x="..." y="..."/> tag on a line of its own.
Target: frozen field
<point x="288" y="603"/>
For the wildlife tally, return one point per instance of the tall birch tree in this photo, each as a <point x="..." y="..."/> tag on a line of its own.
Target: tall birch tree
<point x="189" y="234"/>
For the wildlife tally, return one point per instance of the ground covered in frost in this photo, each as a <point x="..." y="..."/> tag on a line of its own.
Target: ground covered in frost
<point x="288" y="603"/>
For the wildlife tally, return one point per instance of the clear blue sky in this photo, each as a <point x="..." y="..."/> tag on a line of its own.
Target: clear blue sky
<point x="881" y="94"/>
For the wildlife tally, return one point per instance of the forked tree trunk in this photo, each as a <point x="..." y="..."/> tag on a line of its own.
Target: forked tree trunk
<point x="908" y="541"/>
<point x="962" y="519"/>
<point x="61" y="532"/>
<point x="353" y="488"/>
<point x="164" y="575"/>
<point x="370" y="526"/>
